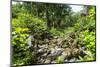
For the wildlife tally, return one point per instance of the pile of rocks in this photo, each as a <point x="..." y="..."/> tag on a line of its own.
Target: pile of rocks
<point x="57" y="50"/>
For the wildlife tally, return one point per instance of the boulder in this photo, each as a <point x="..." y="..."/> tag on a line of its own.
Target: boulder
<point x="72" y="60"/>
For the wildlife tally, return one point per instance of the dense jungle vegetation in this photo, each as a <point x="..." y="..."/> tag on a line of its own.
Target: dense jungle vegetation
<point x="44" y="33"/>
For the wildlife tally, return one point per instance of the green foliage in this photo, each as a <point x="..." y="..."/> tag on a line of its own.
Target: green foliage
<point x="27" y="20"/>
<point x="59" y="59"/>
<point x="56" y="32"/>
<point x="88" y="40"/>
<point x="92" y="13"/>
<point x="36" y="20"/>
<point x="88" y="57"/>
<point x="35" y="25"/>
<point x="87" y="36"/>
<point x="21" y="53"/>
<point x="16" y="9"/>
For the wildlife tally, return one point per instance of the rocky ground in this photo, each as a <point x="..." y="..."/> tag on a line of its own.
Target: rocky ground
<point x="56" y="50"/>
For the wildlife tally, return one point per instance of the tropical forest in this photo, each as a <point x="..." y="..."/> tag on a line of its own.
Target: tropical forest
<point x="52" y="33"/>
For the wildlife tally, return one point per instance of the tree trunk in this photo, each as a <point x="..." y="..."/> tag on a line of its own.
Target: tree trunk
<point x="47" y="17"/>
